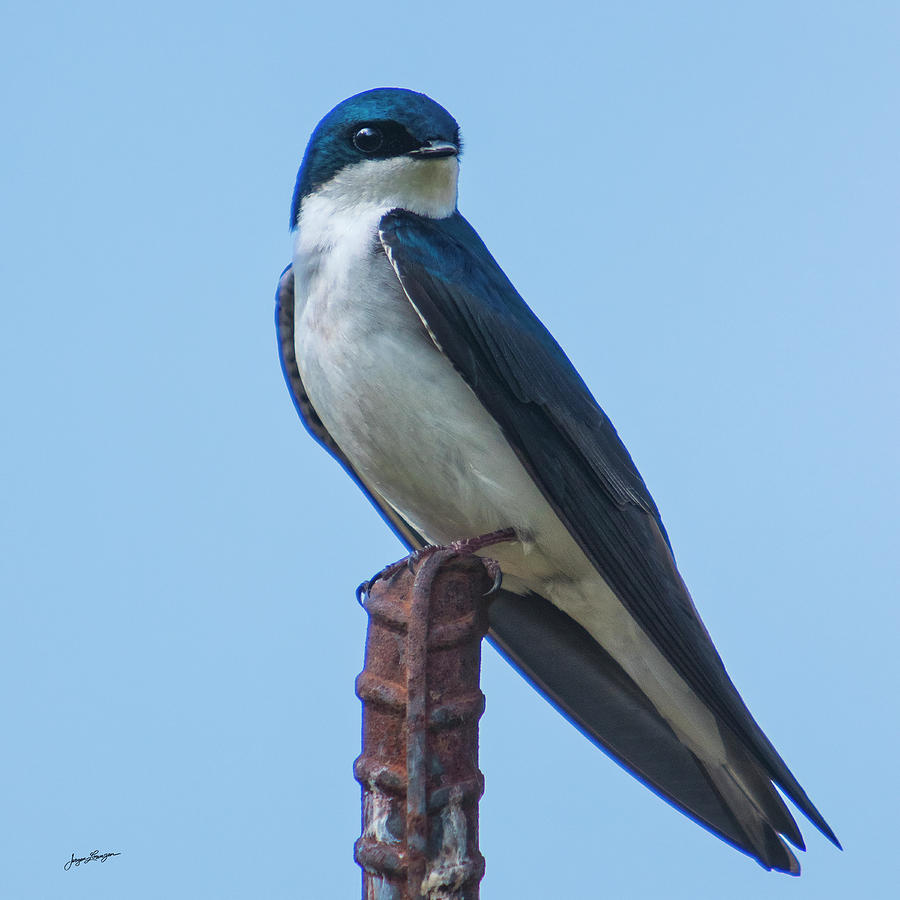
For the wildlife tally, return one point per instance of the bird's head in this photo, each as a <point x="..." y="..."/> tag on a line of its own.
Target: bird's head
<point x="388" y="147"/>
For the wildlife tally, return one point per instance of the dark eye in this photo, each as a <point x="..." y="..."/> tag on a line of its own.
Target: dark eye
<point x="367" y="139"/>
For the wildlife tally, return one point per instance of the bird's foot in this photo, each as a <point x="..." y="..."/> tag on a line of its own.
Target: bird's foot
<point x="461" y="547"/>
<point x="388" y="572"/>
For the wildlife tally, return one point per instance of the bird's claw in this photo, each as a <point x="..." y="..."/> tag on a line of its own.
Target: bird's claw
<point x="388" y="572"/>
<point x="418" y="556"/>
<point x="493" y="568"/>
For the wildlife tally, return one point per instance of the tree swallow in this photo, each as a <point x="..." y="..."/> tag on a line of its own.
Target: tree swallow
<point x="412" y="358"/>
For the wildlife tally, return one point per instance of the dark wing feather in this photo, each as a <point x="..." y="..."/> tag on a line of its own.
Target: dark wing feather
<point x="566" y="665"/>
<point x="563" y="662"/>
<point x="588" y="686"/>
<point x="570" y="448"/>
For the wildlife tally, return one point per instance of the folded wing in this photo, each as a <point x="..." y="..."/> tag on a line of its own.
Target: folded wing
<point x="556" y="654"/>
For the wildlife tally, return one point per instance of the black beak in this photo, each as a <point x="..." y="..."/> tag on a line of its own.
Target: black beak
<point x="434" y="150"/>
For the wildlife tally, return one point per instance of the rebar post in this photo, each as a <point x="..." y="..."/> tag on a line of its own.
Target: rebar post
<point x="421" y="705"/>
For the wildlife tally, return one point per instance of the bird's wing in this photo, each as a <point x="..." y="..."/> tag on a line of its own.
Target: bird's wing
<point x="568" y="445"/>
<point x="567" y="666"/>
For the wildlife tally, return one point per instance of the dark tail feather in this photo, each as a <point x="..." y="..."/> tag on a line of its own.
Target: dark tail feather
<point x="592" y="690"/>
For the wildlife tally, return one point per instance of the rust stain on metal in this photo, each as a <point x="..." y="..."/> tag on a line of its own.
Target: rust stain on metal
<point x="421" y="705"/>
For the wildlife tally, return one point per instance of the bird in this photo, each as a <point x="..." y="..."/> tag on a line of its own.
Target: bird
<point x="412" y="358"/>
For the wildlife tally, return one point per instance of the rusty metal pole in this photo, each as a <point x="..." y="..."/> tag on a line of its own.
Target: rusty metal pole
<point x="421" y="705"/>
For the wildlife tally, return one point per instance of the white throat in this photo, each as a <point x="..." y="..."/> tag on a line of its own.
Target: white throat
<point x="369" y="189"/>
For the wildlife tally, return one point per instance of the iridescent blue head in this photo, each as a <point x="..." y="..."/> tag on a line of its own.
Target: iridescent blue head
<point x="381" y="124"/>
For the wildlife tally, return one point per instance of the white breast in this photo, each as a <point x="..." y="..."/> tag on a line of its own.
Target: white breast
<point x="373" y="376"/>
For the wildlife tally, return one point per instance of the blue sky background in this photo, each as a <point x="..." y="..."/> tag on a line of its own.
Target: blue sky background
<point x="700" y="200"/>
